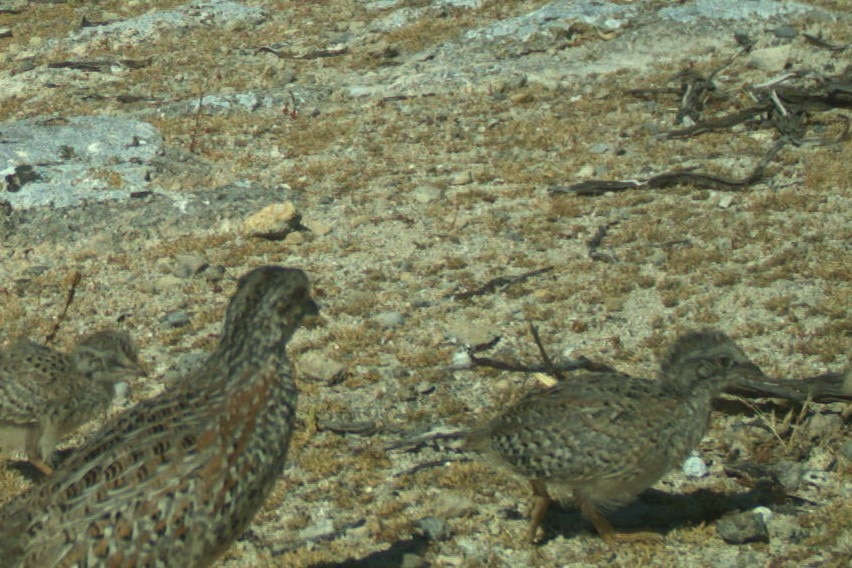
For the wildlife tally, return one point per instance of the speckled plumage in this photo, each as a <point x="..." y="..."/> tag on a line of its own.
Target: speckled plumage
<point x="606" y="437"/>
<point x="174" y="480"/>
<point x="46" y="395"/>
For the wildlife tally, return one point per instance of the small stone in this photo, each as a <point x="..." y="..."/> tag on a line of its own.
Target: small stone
<point x="426" y="194"/>
<point x="470" y="332"/>
<point x="598" y="148"/>
<point x="295" y="238"/>
<point x="789" y="474"/>
<point x="435" y="529"/>
<point x="462" y="178"/>
<point x="390" y="319"/>
<point x="461" y="360"/>
<point x="122" y="391"/>
<point x="765" y="513"/>
<point x="725" y="200"/>
<point x="319" y="366"/>
<point x="694" y="466"/>
<point x="784" y="32"/>
<point x="413" y="561"/>
<point x="771" y="59"/>
<point x="188" y="265"/>
<point x="214" y="273"/>
<point x="823" y="425"/>
<point x="176" y="319"/>
<point x="740" y="528"/>
<point x="273" y="222"/>
<point x="586" y="172"/>
<point x="36" y="270"/>
<point x="318" y="228"/>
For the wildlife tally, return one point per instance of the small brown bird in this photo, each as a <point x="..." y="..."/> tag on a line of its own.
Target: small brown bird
<point x="606" y="437"/>
<point x="175" y="479"/>
<point x="46" y="395"/>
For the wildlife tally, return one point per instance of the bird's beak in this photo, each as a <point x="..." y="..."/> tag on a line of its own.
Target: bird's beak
<point x="749" y="371"/>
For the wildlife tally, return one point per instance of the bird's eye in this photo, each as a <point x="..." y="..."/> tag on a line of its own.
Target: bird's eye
<point x="725" y="362"/>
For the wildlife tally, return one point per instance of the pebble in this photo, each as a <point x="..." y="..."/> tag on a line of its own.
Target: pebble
<point x="319" y="366"/>
<point x="586" y="172"/>
<point x="273" y="222"/>
<point x="390" y="319"/>
<point x="823" y="425"/>
<point x="789" y="474"/>
<point x="188" y="265"/>
<point x="426" y="194"/>
<point x="413" y="561"/>
<point x="177" y="318"/>
<point x="36" y="270"/>
<point x="435" y="528"/>
<point x="318" y="228"/>
<point x="462" y="178"/>
<point x="468" y="331"/>
<point x="784" y="32"/>
<point x="770" y="59"/>
<point x="461" y="360"/>
<point x="694" y="466"/>
<point x="742" y="527"/>
<point x="214" y="273"/>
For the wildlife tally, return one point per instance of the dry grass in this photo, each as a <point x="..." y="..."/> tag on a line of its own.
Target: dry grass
<point x="771" y="268"/>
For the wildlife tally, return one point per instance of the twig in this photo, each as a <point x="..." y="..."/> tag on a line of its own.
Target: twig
<point x="501" y="281"/>
<point x="596" y="241"/>
<point x="668" y="179"/>
<point x="548" y="364"/>
<point x="73" y="280"/>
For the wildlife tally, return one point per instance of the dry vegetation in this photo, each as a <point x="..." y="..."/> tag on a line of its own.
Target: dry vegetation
<point x="772" y="268"/>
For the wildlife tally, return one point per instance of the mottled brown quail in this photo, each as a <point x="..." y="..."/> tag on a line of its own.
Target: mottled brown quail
<point x="606" y="437"/>
<point x="46" y="395"/>
<point x="175" y="479"/>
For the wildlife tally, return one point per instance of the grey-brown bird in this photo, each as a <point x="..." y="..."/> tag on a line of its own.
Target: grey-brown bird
<point x="606" y="437"/>
<point x="175" y="479"/>
<point x="46" y="395"/>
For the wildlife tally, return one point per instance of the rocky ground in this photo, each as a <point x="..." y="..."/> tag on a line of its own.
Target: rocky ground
<point x="414" y="151"/>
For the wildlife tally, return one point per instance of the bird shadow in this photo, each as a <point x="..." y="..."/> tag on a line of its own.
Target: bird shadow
<point x="393" y="557"/>
<point x="662" y="512"/>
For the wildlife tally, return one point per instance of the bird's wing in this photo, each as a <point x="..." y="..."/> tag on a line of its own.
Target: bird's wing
<point x="31" y="376"/>
<point x="133" y="455"/>
<point x="576" y="428"/>
<point x="144" y="476"/>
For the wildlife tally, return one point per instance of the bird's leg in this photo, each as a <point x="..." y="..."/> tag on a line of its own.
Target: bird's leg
<point x="41" y="466"/>
<point x="541" y="501"/>
<point x="605" y="529"/>
<point x="40" y="444"/>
